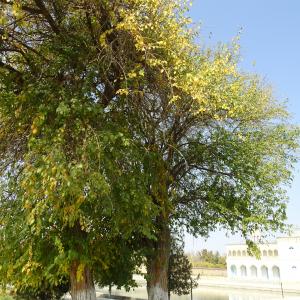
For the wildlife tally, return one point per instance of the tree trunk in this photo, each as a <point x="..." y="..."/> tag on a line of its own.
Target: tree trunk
<point x="158" y="263"/>
<point x="109" y="291"/>
<point x="82" y="284"/>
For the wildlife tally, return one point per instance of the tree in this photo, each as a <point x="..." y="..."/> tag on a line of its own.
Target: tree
<point x="114" y="121"/>
<point x="210" y="259"/>
<point x="219" y="147"/>
<point x="71" y="175"/>
<point x="180" y="281"/>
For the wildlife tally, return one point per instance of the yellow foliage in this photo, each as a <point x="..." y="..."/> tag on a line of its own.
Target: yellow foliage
<point x="80" y="271"/>
<point x="122" y="92"/>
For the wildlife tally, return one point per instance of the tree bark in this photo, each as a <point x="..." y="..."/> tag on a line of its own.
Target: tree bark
<point x="158" y="263"/>
<point x="109" y="291"/>
<point x="82" y="287"/>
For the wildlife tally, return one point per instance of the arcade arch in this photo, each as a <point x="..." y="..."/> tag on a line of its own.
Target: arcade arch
<point x="276" y="272"/>
<point x="243" y="270"/>
<point x="233" y="270"/>
<point x="253" y="271"/>
<point x="264" y="272"/>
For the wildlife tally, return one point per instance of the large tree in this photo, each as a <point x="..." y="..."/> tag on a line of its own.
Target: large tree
<point x="71" y="174"/>
<point x="113" y="121"/>
<point x="220" y="146"/>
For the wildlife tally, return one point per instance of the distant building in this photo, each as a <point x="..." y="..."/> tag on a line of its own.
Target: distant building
<point x="280" y="261"/>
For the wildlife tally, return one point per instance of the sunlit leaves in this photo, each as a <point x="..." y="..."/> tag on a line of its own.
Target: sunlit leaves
<point x="111" y="115"/>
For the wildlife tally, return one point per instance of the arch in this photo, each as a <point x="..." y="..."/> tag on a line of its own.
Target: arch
<point x="229" y="253"/>
<point x="253" y="271"/>
<point x="243" y="253"/>
<point x="265" y="253"/>
<point x="233" y="271"/>
<point x="275" y="252"/>
<point x="264" y="272"/>
<point x="270" y="253"/>
<point x="239" y="253"/>
<point x="243" y="270"/>
<point x="233" y="253"/>
<point x="276" y="272"/>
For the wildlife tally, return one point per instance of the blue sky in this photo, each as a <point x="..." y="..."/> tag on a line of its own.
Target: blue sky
<point x="270" y="47"/>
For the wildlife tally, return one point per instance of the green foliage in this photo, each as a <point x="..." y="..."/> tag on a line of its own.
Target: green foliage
<point x="180" y="281"/>
<point x="44" y="292"/>
<point x="6" y="297"/>
<point x="123" y="261"/>
<point x="71" y="173"/>
<point x="115" y="123"/>
<point x="208" y="259"/>
<point x="212" y="257"/>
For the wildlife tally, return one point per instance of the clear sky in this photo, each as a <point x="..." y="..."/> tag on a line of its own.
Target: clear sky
<point x="270" y="46"/>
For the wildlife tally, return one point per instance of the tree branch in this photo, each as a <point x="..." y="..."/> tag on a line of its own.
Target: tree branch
<point x="40" y="4"/>
<point x="211" y="170"/>
<point x="18" y="74"/>
<point x="9" y="68"/>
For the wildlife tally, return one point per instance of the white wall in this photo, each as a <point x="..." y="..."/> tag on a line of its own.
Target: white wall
<point x="279" y="261"/>
<point x="289" y="249"/>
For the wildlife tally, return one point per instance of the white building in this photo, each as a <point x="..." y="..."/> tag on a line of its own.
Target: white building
<point x="279" y="262"/>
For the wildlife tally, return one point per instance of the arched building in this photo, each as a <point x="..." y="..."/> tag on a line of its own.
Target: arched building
<point x="279" y="262"/>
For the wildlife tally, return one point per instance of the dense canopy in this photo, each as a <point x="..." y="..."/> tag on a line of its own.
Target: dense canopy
<point x="115" y="124"/>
